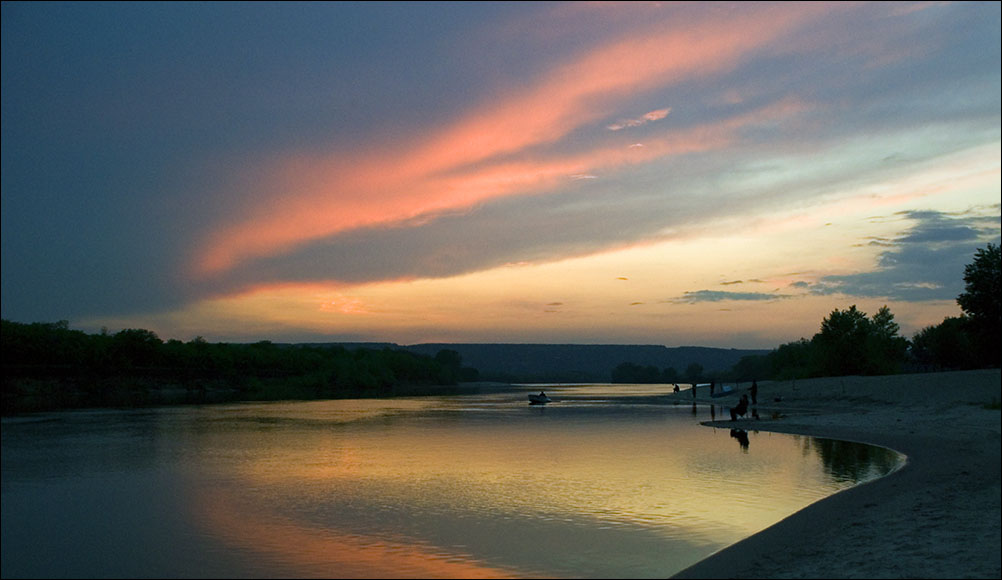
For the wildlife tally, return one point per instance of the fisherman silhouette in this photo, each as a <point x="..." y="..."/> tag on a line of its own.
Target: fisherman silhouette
<point x="740" y="409"/>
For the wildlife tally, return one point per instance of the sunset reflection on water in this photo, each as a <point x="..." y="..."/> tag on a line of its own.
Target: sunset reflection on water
<point x="605" y="482"/>
<point x="490" y="487"/>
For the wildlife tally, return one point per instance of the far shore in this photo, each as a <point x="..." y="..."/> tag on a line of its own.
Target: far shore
<point x="937" y="517"/>
<point x="26" y="396"/>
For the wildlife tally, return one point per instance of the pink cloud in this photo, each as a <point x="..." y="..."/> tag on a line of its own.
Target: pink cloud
<point x="642" y="120"/>
<point x="302" y="198"/>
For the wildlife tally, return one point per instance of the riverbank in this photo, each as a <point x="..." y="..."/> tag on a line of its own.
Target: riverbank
<point x="28" y="395"/>
<point x="937" y="517"/>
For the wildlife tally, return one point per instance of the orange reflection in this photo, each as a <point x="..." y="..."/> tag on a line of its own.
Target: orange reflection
<point x="322" y="552"/>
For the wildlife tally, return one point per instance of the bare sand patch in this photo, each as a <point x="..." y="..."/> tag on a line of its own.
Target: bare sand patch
<point x="940" y="516"/>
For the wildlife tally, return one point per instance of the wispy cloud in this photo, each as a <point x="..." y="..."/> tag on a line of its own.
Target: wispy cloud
<point x="303" y="198"/>
<point x="637" y="122"/>
<point x="423" y="243"/>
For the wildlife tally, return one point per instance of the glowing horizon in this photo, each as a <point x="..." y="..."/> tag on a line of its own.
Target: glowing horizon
<point x="719" y="174"/>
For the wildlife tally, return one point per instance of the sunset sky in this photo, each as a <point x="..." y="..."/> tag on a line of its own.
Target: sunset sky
<point x="646" y="173"/>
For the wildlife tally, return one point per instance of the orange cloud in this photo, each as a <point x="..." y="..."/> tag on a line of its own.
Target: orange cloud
<point x="305" y="198"/>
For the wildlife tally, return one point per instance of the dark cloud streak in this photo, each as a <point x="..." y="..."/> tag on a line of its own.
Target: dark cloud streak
<point x="721" y="296"/>
<point x="926" y="263"/>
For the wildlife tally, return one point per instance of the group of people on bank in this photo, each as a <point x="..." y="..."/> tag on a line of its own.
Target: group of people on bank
<point x="739" y="410"/>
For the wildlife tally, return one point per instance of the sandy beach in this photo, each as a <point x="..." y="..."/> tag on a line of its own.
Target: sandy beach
<point x="940" y="516"/>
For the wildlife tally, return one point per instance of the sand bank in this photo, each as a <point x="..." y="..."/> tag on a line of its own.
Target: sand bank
<point x="939" y="516"/>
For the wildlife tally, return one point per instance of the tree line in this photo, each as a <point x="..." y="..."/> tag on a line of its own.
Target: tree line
<point x="49" y="365"/>
<point x="850" y="342"/>
<point x="629" y="372"/>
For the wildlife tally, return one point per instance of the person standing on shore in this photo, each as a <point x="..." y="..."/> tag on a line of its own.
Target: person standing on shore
<point x="754" y="392"/>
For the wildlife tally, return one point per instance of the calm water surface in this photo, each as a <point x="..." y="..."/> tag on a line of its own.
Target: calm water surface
<point x="605" y="482"/>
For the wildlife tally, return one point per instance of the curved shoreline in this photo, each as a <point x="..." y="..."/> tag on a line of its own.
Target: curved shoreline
<point x="937" y="516"/>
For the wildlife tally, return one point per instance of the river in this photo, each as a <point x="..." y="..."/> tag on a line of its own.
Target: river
<point x="607" y="481"/>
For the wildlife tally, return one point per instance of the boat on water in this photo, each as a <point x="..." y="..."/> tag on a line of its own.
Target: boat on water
<point x="540" y="399"/>
<point x="724" y="391"/>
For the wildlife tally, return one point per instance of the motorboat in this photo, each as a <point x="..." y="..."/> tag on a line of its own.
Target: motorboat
<point x="540" y="399"/>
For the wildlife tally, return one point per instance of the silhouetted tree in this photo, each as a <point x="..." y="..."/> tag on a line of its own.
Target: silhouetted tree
<point x="981" y="297"/>
<point x="449" y="358"/>
<point x="886" y="350"/>
<point x="948" y="345"/>
<point x="628" y="372"/>
<point x="849" y="343"/>
<point x="752" y="367"/>
<point x="794" y="360"/>
<point x="694" y="373"/>
<point x="981" y="301"/>
<point x="136" y="347"/>
<point x="840" y="346"/>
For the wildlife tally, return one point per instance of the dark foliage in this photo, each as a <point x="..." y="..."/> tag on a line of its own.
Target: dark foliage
<point x="947" y="346"/>
<point x="47" y="366"/>
<point x="849" y="343"/>
<point x="628" y="372"/>
<point x="971" y="340"/>
<point x="981" y="301"/>
<point x="852" y="344"/>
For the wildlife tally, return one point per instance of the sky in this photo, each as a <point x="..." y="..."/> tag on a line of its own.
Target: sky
<point x="703" y="174"/>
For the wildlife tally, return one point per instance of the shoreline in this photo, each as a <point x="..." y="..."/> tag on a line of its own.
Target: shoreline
<point x="937" y="516"/>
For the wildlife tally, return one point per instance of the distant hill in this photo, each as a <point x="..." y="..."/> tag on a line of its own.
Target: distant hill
<point x="575" y="362"/>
